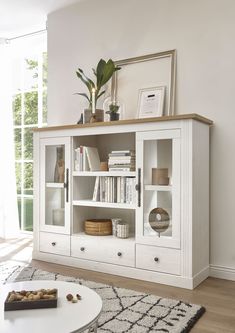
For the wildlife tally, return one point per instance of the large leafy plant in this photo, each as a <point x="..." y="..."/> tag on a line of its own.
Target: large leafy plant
<point x="103" y="74"/>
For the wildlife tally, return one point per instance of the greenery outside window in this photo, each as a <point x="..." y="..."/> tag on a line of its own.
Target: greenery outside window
<point x="29" y="112"/>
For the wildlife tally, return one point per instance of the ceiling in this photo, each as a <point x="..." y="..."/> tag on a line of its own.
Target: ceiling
<point x="24" y="16"/>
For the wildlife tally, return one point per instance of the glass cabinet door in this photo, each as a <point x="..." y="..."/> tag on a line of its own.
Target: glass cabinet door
<point x="54" y="185"/>
<point x="158" y="167"/>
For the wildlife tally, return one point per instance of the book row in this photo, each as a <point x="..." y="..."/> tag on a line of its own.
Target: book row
<point x="86" y="159"/>
<point x="115" y="189"/>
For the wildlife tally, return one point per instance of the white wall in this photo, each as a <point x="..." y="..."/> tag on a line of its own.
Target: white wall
<point x="203" y="33"/>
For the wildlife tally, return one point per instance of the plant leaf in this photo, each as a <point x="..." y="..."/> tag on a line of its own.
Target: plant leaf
<point x="100" y="94"/>
<point x="83" y="79"/>
<point x="84" y="95"/>
<point x="99" y="72"/>
<point x="88" y="82"/>
<point x="108" y="70"/>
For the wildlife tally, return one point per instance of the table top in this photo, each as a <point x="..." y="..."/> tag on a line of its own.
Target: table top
<point x="66" y="318"/>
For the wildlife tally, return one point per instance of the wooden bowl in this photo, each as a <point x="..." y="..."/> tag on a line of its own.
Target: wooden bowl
<point x="98" y="227"/>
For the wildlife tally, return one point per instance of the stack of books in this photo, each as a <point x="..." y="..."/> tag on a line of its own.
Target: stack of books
<point x="121" y="160"/>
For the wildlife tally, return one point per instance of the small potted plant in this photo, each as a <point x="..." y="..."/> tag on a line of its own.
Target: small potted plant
<point x="103" y="74"/>
<point x="113" y="111"/>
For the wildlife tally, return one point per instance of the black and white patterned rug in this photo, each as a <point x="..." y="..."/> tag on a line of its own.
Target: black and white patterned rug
<point x="123" y="310"/>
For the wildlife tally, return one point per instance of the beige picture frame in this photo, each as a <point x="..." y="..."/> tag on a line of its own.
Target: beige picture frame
<point x="152" y="70"/>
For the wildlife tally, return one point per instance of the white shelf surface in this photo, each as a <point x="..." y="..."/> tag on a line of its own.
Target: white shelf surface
<point x="104" y="173"/>
<point x="91" y="203"/>
<point x="157" y="187"/>
<point x="112" y="238"/>
<point x="55" y="185"/>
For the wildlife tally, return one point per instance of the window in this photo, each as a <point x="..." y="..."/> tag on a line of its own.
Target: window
<point x="29" y="104"/>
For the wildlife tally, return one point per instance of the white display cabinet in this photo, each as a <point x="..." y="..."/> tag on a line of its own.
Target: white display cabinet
<point x="167" y="206"/>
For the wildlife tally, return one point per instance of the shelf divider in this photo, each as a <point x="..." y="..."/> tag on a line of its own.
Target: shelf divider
<point x="158" y="188"/>
<point x="55" y="185"/>
<point x="104" y="173"/>
<point x="113" y="238"/>
<point x="90" y="203"/>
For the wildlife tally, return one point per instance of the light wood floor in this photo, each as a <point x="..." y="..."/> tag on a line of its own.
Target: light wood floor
<point x="216" y="295"/>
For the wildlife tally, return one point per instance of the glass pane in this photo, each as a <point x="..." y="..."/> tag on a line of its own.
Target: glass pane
<point x="18" y="177"/>
<point x="44" y="111"/>
<point x="28" y="178"/>
<point x="158" y="208"/>
<point x="16" y="106"/>
<point x="55" y="200"/>
<point x="31" y="108"/>
<point x="55" y="206"/>
<point x="55" y="165"/>
<point x="28" y="143"/>
<point x="19" y="210"/>
<point x="157" y="188"/>
<point x="28" y="214"/>
<point x="18" y="143"/>
<point x="16" y="75"/>
<point x="31" y="73"/>
<point x="157" y="161"/>
<point x="44" y="69"/>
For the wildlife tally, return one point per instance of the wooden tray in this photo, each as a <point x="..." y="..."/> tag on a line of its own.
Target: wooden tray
<point x="98" y="227"/>
<point x="26" y="305"/>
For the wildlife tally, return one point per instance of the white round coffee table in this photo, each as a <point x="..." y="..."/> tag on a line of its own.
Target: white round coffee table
<point x="66" y="318"/>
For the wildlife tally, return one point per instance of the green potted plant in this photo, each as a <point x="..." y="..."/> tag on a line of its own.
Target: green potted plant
<point x="113" y="111"/>
<point x="103" y="74"/>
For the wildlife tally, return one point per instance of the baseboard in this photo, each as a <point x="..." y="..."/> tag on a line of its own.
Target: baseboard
<point x="201" y="276"/>
<point x="222" y="272"/>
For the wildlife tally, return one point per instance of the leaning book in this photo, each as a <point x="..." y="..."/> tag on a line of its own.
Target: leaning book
<point x="93" y="158"/>
<point x="96" y="193"/>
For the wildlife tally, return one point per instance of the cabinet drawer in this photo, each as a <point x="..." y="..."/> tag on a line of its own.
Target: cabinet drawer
<point x="158" y="259"/>
<point x="121" y="254"/>
<point x="54" y="243"/>
<point x="118" y="252"/>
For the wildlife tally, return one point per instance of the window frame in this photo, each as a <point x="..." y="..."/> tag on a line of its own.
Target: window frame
<point x="41" y="89"/>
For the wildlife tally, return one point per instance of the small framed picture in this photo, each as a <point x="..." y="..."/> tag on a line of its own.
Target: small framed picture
<point x="151" y="102"/>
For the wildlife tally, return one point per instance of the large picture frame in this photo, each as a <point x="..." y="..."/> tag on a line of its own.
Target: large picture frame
<point x="152" y="70"/>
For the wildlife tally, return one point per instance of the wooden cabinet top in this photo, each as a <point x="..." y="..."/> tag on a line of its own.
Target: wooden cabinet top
<point x="193" y="116"/>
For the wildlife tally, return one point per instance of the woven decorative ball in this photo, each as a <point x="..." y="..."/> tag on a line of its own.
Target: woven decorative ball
<point x="159" y="220"/>
<point x="98" y="227"/>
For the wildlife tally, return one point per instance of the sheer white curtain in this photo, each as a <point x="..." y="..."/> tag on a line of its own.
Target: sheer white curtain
<point x="18" y="48"/>
<point x="9" y="224"/>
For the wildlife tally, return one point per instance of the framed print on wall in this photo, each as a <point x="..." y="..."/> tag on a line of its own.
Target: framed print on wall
<point x="151" y="102"/>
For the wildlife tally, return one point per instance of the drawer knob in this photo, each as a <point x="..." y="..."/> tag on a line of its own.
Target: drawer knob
<point x="53" y="243"/>
<point x="156" y="259"/>
<point x="82" y="249"/>
<point x="119" y="254"/>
